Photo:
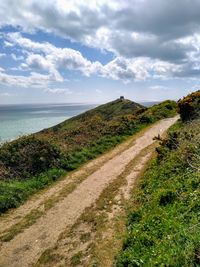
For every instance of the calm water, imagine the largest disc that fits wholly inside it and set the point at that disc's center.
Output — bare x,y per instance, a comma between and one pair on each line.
17,120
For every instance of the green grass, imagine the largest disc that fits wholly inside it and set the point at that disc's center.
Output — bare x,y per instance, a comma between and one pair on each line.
14,193
163,229
33,162
76,259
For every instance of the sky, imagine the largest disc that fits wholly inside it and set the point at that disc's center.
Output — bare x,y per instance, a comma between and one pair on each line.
89,51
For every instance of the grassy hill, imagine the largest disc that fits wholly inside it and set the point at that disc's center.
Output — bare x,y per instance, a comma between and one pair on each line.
164,223
89,126
112,109
32,162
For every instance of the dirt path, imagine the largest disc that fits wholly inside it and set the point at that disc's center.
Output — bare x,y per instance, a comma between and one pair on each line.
39,200
26,247
96,237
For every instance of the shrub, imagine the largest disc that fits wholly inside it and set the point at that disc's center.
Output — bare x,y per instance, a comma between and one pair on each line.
146,119
189,106
162,110
166,197
27,156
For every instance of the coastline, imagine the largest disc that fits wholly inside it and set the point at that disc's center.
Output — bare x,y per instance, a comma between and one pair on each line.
23,119
19,120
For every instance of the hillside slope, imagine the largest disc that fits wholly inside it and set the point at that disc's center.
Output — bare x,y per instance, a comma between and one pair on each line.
108,111
81,130
32,162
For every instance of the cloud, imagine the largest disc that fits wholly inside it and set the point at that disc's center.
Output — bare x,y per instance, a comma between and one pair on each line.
8,44
2,55
160,88
39,63
6,94
33,80
129,28
128,69
53,58
133,44
48,59
149,39
59,91
16,58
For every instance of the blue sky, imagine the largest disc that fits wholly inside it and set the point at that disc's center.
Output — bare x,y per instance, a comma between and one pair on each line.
94,51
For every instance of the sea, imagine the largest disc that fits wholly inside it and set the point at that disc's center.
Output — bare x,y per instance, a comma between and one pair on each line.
19,120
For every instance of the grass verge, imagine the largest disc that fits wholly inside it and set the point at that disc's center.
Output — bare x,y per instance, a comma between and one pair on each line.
163,226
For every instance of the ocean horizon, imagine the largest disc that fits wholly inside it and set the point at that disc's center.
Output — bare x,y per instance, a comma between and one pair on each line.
22,119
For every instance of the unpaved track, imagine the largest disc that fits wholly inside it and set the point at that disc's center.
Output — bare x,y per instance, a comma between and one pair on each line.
26,247
37,200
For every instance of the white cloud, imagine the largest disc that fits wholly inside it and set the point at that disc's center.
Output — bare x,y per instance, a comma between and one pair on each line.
16,58
160,88
34,80
48,59
53,58
130,28
6,94
143,68
45,57
8,44
40,63
59,91
147,40
2,55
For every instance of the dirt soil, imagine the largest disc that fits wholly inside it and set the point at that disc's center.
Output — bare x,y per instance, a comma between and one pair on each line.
26,247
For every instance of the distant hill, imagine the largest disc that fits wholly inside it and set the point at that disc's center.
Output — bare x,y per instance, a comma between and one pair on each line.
112,109
106,112
92,124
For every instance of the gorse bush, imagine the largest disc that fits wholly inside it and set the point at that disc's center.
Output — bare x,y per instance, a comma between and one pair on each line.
27,156
189,106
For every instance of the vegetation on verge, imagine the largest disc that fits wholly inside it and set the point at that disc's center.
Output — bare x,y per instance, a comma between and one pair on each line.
33,162
164,224
189,106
